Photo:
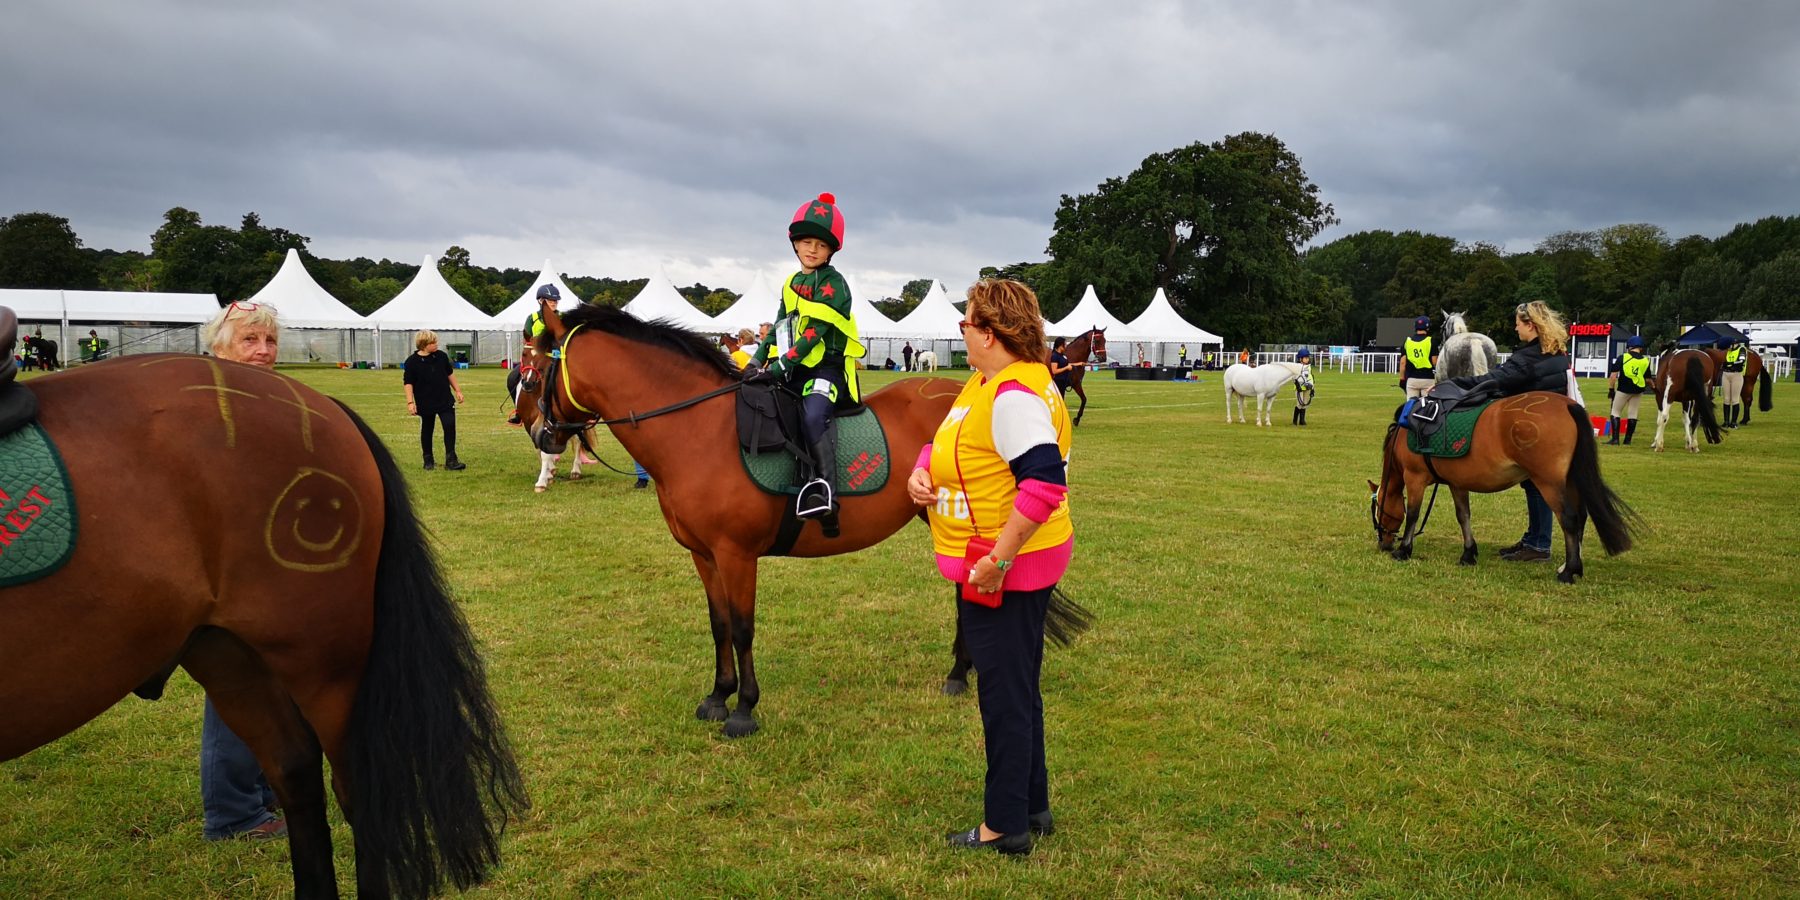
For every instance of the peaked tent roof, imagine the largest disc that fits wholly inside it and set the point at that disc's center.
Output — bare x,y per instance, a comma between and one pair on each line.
429,301
933,318
514,314
1161,323
300,301
109,306
755,307
870,322
660,300
1088,313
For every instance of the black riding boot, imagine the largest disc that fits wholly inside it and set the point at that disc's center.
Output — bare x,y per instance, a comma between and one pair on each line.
818,496
1303,417
1630,429
1614,422
1298,412
1730,417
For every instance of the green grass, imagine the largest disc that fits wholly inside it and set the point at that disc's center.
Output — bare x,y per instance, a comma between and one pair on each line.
1267,705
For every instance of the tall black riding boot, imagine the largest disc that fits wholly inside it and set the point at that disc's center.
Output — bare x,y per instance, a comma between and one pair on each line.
1630,429
1303,417
1730,417
818,496
1614,422
1298,412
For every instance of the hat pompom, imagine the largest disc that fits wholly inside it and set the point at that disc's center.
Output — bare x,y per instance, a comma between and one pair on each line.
828,198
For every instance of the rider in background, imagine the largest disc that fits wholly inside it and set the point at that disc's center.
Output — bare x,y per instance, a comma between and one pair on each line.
1419,372
1539,364
814,346
1731,380
1060,367
1625,386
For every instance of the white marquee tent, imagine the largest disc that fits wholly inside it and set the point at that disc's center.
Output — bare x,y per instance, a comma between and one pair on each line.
660,300
129,321
429,301
329,328
1088,313
510,322
756,306
932,325
1163,331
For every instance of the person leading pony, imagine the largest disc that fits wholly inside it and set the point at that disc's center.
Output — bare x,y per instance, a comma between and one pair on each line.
813,349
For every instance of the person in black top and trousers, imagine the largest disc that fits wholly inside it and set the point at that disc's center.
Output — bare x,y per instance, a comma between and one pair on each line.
430,381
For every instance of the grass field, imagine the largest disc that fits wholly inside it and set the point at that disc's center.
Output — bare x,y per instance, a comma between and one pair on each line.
1267,705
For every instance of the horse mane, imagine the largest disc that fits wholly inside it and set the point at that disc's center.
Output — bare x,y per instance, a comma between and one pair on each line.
656,332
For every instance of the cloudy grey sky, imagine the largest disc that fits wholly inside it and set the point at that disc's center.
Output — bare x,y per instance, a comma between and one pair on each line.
614,137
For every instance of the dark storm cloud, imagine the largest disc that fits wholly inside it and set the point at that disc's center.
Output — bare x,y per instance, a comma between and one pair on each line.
615,137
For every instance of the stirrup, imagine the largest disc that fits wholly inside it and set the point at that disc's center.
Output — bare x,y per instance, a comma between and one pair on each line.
805,510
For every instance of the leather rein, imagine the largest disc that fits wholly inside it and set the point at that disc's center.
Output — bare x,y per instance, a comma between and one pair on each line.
575,425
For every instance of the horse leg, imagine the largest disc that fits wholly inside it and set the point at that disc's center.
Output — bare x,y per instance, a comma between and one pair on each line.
1415,493
1573,518
712,707
1461,497
575,467
1076,387
546,471
1662,422
251,702
737,581
958,679
1687,426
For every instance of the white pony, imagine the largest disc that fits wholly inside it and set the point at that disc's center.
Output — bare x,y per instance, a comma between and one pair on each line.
1262,382
1465,352
926,360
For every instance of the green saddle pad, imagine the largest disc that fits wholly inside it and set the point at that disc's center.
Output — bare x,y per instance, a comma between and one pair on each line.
1452,440
862,459
37,509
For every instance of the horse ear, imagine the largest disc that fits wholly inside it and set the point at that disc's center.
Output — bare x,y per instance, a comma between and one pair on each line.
1374,488
553,324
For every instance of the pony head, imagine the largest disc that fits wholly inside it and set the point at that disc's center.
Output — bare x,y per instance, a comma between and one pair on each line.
1453,322
1099,345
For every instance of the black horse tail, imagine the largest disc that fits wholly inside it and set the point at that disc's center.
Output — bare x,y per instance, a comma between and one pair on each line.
1703,403
1587,496
432,777
1065,619
1765,401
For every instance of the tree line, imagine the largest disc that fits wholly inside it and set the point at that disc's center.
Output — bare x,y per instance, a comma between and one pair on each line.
1222,227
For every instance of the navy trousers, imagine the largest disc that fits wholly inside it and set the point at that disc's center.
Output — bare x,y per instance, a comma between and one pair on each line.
234,795
1006,644
1538,518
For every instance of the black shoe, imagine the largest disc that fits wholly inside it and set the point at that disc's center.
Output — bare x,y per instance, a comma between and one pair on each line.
1508,551
641,484
1041,823
1527,554
1009,844
429,465
455,465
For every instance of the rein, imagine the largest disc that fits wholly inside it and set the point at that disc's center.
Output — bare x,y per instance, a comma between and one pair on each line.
1375,498
570,426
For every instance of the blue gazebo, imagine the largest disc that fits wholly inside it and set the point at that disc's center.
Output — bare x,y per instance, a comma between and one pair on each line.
1710,334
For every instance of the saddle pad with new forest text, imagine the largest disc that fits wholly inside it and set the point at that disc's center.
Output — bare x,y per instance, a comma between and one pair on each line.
862,460
1455,437
37,508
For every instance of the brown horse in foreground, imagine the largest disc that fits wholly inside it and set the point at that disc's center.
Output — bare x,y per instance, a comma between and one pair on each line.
617,368
1686,377
242,526
1541,436
1089,344
1754,374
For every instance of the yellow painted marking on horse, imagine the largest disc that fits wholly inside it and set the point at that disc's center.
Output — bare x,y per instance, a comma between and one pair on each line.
306,411
315,500
1526,404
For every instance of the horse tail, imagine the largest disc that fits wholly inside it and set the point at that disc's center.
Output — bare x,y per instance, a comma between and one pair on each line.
432,777
1065,619
1703,402
1587,494
1765,401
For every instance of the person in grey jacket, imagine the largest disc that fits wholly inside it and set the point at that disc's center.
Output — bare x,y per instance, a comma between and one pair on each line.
1540,364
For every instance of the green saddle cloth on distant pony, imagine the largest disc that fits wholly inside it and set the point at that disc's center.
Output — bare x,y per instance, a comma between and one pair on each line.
37,508
862,460
1453,438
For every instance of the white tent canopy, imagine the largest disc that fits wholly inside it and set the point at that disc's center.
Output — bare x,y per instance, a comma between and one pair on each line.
1161,324
1088,313
756,306
512,318
660,300
870,322
933,318
430,302
300,301
109,306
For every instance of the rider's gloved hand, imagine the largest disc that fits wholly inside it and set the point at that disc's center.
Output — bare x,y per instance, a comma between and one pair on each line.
1610,392
754,373
778,368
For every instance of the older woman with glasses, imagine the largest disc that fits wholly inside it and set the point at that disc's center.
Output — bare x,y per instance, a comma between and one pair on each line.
994,480
1541,363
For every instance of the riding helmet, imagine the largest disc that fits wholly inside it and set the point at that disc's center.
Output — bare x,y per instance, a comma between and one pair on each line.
1636,340
1422,323
820,219
549,292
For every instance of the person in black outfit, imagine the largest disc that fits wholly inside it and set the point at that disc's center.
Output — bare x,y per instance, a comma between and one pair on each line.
430,380
1540,364
906,355
1059,365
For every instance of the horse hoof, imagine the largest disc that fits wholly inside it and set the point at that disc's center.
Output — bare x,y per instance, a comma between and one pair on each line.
740,725
711,710
1566,577
574,476
954,686
1402,555
1468,559
539,489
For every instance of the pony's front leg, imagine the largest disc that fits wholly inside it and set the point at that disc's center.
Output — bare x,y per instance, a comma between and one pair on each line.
1403,546
546,471
1228,406
1662,422
575,467
737,578
712,707
1461,497
958,680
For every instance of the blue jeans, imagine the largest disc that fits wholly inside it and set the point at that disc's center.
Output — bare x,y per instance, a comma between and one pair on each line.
1537,519
233,792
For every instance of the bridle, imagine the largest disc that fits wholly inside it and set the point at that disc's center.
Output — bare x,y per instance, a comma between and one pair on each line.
1375,498
550,401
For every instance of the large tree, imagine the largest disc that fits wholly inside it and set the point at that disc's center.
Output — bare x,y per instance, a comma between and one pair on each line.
39,250
1218,226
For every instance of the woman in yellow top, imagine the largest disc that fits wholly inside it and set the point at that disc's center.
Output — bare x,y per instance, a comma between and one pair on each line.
996,472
